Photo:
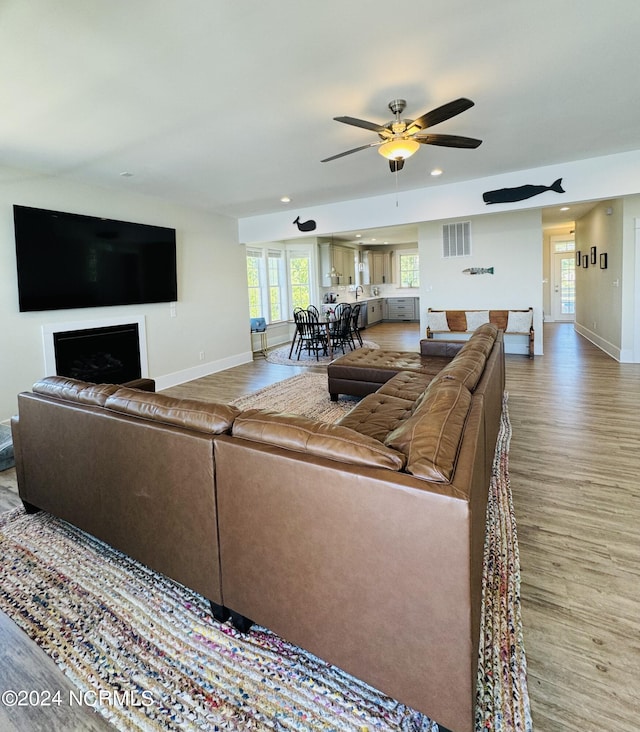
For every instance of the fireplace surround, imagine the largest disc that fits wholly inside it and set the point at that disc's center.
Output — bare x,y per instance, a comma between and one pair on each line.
102,351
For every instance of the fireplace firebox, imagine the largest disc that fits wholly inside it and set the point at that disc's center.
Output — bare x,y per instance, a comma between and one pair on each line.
106,355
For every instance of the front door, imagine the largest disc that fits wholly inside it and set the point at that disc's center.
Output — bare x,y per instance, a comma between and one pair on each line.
563,294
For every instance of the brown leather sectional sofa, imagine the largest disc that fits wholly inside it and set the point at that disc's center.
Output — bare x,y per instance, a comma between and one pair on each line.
360,541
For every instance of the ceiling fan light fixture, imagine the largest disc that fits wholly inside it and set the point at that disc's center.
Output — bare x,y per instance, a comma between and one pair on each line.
402,149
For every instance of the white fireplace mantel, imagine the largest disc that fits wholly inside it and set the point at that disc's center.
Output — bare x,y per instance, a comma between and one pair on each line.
49,329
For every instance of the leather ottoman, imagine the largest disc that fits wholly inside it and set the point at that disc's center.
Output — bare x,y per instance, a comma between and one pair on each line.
364,370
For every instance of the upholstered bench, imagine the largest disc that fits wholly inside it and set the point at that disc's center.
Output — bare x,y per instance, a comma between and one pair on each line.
452,323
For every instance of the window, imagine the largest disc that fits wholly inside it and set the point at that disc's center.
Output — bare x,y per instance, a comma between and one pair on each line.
300,279
563,245
409,266
279,280
277,286
255,280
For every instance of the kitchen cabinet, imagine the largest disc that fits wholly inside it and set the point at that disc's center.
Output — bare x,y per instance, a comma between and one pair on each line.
377,267
340,259
402,308
374,311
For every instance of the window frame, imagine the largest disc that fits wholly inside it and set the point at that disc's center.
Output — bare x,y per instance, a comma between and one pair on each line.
408,253
284,253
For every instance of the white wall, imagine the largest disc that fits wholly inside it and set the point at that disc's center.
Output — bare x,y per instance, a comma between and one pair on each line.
212,309
511,243
599,292
630,298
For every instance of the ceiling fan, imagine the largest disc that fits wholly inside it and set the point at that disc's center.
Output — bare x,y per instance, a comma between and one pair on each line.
401,138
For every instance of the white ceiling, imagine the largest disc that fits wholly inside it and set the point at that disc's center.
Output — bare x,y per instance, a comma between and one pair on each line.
228,104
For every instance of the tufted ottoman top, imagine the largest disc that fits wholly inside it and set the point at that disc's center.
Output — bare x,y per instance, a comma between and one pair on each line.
378,366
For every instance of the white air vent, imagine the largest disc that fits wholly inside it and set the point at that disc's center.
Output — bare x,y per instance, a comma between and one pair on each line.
456,240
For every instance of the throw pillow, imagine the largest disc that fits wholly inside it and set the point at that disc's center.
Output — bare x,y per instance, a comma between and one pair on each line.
476,318
519,322
437,320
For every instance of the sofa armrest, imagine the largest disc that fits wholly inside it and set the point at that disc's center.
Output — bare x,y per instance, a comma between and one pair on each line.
440,347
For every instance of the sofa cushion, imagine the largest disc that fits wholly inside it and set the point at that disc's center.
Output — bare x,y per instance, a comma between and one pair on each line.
482,340
377,414
209,417
73,390
489,329
301,434
466,368
407,385
431,437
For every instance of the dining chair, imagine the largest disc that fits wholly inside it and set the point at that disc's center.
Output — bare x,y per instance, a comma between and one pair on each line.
311,335
355,325
341,333
295,332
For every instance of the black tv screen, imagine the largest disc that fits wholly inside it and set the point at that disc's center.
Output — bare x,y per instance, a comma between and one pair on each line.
68,260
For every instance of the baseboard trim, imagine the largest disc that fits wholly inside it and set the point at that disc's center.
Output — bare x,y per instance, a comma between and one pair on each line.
598,341
197,372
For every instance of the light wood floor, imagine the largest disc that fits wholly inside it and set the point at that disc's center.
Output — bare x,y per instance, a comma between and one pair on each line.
574,465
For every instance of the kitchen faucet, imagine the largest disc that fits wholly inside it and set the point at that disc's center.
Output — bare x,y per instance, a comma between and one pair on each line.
359,287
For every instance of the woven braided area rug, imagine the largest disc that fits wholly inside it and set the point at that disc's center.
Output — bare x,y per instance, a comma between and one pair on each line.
302,394
151,650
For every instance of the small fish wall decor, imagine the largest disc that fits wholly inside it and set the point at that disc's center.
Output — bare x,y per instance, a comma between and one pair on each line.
309,225
477,270
509,195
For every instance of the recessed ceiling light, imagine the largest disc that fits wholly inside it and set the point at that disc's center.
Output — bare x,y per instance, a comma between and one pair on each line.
126,174
565,208
358,236
285,199
436,171
374,240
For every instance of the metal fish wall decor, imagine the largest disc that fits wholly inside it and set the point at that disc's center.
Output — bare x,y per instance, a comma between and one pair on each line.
509,195
309,225
478,270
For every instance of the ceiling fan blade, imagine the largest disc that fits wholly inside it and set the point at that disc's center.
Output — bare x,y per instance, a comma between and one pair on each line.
373,126
448,140
440,114
355,149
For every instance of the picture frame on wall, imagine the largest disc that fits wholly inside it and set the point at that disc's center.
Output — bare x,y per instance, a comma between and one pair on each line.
578,258
603,260
593,255
585,261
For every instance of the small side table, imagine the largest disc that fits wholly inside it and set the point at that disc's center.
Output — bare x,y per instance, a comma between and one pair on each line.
259,325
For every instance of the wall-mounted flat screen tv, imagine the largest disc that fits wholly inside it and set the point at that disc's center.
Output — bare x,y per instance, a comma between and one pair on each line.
68,260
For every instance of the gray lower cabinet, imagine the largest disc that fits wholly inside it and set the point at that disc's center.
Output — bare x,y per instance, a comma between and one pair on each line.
374,311
402,308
